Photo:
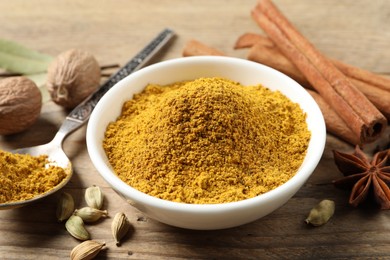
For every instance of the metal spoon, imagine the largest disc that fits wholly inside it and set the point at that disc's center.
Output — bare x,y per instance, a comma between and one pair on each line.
80,115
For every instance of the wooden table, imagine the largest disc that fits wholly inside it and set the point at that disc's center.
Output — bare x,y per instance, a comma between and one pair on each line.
354,31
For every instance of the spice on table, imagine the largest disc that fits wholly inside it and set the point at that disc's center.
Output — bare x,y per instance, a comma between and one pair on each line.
94,197
248,40
334,123
89,215
119,227
364,176
72,76
210,140
23,176
194,47
20,104
363,118
374,86
75,226
65,206
86,250
321,213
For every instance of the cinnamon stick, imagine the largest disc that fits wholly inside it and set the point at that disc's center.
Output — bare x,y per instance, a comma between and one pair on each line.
334,124
354,108
272,57
363,75
196,48
247,40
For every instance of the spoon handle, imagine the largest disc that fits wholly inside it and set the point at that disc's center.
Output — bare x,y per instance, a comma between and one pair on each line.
79,115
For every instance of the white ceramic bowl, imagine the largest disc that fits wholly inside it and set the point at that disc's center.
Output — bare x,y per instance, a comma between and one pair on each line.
208,216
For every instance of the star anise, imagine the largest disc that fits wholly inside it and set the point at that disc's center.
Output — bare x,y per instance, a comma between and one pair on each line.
365,176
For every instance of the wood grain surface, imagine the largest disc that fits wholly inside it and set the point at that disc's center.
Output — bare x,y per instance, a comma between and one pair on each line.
354,31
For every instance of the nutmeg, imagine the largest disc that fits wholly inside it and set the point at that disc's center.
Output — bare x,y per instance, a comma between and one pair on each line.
72,76
20,104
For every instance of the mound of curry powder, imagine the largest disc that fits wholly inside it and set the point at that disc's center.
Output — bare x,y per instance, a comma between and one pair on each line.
24,177
207,141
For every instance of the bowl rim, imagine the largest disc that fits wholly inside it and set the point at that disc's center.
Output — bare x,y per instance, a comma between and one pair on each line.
117,184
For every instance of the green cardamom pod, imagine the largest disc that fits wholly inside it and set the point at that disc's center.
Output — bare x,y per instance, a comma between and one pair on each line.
75,226
86,250
94,197
119,227
89,214
321,213
65,206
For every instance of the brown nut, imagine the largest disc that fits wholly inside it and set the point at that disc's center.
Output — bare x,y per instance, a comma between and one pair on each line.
20,104
72,76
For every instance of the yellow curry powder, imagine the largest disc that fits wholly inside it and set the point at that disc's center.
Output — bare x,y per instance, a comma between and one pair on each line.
210,140
23,176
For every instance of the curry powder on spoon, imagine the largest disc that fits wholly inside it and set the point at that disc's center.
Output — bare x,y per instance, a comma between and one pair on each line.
207,141
23,176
